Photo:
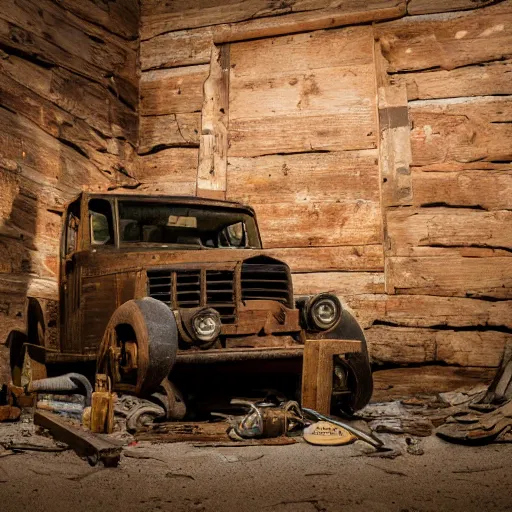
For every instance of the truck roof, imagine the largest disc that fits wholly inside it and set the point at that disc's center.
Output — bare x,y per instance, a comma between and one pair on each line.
219,203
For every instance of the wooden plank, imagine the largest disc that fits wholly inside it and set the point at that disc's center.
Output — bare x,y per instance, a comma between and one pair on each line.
318,366
181,48
490,190
340,176
430,311
320,105
448,42
274,20
120,17
344,284
450,276
321,259
484,79
84,442
319,223
461,130
172,91
396,383
212,167
409,345
171,171
413,227
433,6
169,130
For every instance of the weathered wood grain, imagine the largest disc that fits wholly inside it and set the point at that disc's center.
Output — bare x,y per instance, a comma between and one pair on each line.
120,17
482,80
170,171
212,167
344,284
410,345
86,100
447,227
430,311
172,91
337,176
266,18
461,130
434,6
169,130
296,94
361,258
66,39
181,48
395,383
448,42
450,276
319,223
490,190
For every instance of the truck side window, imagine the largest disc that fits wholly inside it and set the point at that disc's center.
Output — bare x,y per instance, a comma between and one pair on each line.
72,223
101,222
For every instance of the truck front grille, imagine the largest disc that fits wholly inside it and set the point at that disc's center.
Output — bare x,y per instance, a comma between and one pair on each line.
264,281
218,290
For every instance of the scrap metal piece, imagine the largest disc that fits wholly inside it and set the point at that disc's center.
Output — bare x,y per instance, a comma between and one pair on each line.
68,382
83,442
369,438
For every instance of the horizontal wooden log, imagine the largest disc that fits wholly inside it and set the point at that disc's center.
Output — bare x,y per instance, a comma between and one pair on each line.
430,311
362,258
172,91
490,190
409,228
409,345
181,48
448,42
295,134
169,130
461,130
319,224
450,276
170,171
435,6
344,284
265,19
120,17
488,79
67,40
396,383
84,99
340,176
24,285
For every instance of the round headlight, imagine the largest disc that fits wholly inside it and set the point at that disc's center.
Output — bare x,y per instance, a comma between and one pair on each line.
325,312
206,325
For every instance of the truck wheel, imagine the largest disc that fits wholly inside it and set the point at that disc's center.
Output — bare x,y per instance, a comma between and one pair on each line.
357,367
139,346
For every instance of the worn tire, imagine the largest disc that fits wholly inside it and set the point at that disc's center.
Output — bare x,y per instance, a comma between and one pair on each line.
156,335
360,380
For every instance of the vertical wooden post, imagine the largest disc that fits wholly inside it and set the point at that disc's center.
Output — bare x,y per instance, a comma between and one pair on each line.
213,149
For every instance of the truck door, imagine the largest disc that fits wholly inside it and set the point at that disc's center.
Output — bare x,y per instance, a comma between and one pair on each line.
70,282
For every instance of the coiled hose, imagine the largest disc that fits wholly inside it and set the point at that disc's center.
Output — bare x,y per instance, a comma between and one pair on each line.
67,382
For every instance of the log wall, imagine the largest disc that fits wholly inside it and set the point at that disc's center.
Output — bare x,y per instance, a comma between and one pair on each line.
377,156
373,139
68,122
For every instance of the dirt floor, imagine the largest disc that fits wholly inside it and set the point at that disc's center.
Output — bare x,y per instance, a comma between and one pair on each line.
299,477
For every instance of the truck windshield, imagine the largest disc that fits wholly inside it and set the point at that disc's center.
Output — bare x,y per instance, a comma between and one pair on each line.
191,226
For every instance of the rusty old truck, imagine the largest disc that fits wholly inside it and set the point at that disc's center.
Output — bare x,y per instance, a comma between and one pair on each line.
148,283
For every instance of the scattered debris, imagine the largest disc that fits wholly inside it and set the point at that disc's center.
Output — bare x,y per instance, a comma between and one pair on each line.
388,471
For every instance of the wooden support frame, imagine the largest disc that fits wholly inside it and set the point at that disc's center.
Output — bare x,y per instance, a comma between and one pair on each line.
318,370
